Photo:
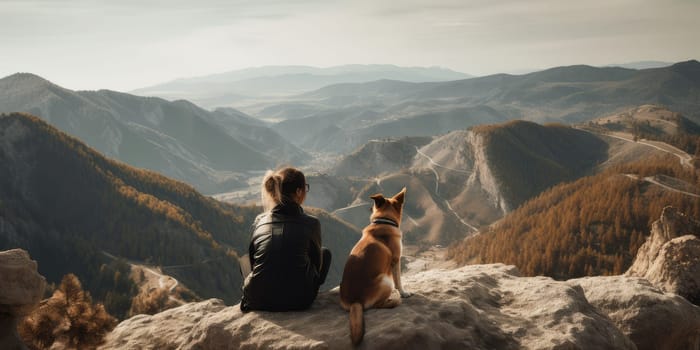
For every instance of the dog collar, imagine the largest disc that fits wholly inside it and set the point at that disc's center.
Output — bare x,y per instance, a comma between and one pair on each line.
385,221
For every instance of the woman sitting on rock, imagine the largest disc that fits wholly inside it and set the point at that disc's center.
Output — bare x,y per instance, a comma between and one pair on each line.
285,253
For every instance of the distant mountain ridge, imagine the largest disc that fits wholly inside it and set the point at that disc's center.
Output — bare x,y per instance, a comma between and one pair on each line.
341,130
178,139
224,88
561,94
641,64
498,85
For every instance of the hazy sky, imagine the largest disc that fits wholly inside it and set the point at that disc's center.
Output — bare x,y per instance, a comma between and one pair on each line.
126,44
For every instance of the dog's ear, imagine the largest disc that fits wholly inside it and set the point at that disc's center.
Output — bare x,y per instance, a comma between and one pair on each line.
378,200
399,197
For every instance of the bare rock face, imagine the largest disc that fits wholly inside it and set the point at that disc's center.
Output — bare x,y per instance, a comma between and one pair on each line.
21,289
670,258
473,307
677,268
651,318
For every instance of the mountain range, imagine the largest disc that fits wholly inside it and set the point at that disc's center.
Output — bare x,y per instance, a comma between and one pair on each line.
72,208
462,178
354,113
235,87
209,150
216,150
641,64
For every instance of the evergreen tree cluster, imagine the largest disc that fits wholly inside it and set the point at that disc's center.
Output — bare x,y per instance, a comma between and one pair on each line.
592,226
68,318
72,209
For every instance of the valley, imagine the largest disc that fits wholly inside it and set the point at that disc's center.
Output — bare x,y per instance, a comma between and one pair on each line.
420,259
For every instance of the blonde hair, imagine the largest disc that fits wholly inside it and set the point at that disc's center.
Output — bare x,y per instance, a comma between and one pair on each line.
280,186
271,191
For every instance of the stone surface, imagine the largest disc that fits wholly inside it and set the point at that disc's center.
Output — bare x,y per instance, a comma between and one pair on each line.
21,289
473,307
677,268
670,258
651,318
22,286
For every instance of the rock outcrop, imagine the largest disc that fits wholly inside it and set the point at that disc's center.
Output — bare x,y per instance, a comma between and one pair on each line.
670,258
478,307
21,289
652,319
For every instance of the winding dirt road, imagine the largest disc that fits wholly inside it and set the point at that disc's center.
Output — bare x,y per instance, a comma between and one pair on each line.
684,158
651,180
437,186
162,279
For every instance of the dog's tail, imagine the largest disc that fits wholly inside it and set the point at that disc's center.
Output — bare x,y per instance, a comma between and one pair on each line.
357,323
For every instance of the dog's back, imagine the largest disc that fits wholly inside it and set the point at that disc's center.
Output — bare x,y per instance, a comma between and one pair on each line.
369,262
368,279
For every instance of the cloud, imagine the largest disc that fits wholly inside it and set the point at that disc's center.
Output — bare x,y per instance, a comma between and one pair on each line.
174,38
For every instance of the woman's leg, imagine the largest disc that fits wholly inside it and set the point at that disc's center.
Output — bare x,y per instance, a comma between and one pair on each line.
325,265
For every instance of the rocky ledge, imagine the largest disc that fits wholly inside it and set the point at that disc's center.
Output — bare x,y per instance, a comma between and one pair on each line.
21,289
477,307
670,257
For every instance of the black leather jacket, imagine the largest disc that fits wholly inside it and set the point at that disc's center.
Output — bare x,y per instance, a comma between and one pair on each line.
285,256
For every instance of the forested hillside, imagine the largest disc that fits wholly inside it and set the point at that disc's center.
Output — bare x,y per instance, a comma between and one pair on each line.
527,158
67,205
70,208
591,226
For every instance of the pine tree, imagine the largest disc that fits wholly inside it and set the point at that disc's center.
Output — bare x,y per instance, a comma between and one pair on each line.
68,317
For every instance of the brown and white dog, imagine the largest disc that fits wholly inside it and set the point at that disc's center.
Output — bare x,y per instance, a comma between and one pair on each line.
372,275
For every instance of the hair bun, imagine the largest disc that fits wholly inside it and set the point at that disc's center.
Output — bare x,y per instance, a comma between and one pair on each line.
271,181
